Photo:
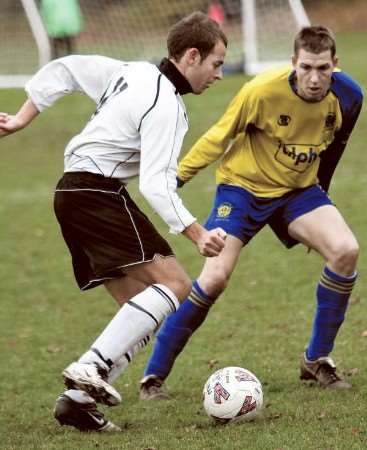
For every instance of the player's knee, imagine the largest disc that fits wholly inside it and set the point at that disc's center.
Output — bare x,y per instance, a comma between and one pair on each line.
346,256
215,283
349,255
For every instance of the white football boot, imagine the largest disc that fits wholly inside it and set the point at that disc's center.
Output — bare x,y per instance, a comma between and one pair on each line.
91,379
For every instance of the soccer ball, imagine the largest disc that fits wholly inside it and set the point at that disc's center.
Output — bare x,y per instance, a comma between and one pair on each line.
232,394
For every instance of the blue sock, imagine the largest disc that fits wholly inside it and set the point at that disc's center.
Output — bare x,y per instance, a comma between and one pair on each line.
176,331
333,292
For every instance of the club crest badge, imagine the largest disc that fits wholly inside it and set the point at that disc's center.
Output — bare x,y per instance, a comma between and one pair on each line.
330,120
224,210
283,120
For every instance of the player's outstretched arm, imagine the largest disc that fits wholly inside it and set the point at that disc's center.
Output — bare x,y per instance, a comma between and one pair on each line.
11,123
209,243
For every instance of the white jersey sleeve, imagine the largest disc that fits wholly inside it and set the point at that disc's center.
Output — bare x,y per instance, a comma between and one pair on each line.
137,129
162,131
86,74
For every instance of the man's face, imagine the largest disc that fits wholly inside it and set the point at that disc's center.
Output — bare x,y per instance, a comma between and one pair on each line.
201,73
313,74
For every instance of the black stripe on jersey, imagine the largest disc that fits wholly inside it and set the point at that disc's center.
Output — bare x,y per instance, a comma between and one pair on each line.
165,296
139,308
117,85
172,149
116,90
120,163
155,100
87,157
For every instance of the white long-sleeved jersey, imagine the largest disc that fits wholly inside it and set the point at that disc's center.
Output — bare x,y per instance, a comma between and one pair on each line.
137,128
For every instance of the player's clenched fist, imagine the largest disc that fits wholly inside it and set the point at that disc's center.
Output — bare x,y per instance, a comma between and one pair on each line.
212,242
209,243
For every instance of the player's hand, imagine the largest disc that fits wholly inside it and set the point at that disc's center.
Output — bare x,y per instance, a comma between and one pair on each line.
9,124
212,242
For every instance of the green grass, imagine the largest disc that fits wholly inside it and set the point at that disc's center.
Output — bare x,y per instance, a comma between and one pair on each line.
262,321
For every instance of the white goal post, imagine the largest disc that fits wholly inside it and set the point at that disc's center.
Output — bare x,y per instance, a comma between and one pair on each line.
269,27
37,33
260,32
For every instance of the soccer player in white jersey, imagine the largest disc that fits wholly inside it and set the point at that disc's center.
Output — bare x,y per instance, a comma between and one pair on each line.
279,143
137,130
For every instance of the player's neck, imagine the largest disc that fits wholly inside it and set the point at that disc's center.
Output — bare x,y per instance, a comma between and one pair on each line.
172,72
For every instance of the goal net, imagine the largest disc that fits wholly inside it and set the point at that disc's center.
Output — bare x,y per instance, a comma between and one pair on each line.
24,42
260,32
269,28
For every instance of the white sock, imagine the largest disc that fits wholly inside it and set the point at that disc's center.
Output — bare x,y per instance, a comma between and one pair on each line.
119,366
135,320
124,362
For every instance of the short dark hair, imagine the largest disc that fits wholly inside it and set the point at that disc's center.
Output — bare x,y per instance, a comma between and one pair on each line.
315,39
194,31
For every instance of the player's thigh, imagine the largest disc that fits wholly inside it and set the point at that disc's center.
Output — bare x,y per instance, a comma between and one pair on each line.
124,288
218,270
325,230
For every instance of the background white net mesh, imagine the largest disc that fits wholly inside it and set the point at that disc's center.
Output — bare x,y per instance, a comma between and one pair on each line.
18,49
137,30
276,28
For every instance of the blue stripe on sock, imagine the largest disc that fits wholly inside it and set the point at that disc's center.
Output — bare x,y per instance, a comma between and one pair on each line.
200,292
339,278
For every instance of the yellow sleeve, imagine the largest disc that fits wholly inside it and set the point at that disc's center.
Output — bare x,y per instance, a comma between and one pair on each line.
215,141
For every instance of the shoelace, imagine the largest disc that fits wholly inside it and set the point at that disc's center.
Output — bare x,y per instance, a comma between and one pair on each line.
154,382
102,372
329,371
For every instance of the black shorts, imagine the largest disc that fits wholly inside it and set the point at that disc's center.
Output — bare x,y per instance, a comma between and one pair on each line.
103,228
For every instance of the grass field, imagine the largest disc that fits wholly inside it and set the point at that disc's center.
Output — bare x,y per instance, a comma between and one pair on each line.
262,322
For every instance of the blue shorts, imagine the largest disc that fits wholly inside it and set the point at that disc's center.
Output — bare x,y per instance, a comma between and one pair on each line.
242,214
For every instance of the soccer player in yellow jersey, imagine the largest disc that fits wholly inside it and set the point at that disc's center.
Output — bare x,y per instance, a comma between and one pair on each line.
279,142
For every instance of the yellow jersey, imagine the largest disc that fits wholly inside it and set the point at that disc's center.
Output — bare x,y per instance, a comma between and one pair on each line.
271,141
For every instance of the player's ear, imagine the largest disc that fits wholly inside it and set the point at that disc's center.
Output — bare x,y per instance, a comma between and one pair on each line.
294,60
335,60
192,56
